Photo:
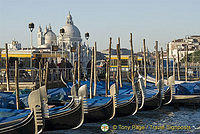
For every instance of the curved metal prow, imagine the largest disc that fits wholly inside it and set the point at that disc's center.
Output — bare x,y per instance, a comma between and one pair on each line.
113,94
82,119
171,83
136,99
141,88
35,104
159,87
83,92
74,90
61,77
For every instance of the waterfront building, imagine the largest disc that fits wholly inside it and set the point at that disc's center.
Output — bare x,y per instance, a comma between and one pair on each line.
180,45
67,43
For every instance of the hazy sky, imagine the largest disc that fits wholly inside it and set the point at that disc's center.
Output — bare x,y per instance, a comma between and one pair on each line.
162,20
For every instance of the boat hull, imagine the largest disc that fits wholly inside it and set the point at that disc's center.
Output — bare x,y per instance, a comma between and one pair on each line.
152,103
65,120
20,126
167,97
99,114
126,109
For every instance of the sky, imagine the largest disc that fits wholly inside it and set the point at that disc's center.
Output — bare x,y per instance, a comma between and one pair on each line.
161,20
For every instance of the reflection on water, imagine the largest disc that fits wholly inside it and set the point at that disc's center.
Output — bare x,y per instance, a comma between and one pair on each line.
165,120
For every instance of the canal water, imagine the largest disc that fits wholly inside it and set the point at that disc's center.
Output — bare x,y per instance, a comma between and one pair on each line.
166,120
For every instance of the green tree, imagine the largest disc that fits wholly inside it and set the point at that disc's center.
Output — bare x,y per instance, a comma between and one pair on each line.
195,57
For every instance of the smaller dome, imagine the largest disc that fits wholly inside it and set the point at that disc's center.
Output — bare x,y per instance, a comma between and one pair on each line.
50,37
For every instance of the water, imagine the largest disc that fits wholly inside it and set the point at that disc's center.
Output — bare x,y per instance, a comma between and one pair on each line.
166,120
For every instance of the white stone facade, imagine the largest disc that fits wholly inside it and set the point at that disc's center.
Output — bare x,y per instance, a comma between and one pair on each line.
180,44
70,40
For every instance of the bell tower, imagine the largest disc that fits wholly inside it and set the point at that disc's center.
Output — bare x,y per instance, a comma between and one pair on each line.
40,36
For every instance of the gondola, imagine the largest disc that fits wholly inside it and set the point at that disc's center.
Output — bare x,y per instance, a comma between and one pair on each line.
153,96
13,121
69,116
125,100
149,98
126,105
168,91
17,124
96,109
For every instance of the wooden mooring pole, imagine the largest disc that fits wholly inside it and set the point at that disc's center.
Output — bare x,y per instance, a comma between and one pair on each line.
167,62
158,66
156,60
46,74
174,69
74,77
91,72
162,69
40,74
119,63
145,64
106,79
17,84
95,68
132,60
178,65
186,64
79,65
109,62
7,68
117,75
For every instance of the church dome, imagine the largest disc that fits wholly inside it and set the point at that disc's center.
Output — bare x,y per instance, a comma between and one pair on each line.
70,29
50,37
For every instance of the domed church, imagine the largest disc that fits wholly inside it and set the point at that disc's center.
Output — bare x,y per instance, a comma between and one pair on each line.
72,35
68,42
47,39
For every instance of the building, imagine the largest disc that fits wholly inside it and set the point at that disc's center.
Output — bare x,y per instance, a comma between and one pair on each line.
14,45
66,43
72,35
179,45
46,39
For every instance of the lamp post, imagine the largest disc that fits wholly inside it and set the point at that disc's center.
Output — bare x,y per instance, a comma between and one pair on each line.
31,27
87,35
62,31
